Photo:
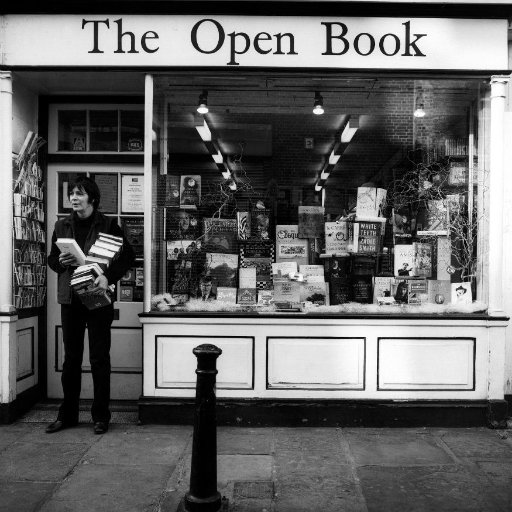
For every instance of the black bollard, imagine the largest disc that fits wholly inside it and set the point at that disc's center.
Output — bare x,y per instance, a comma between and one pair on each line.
203,495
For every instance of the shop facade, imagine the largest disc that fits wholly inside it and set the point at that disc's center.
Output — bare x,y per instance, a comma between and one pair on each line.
351,263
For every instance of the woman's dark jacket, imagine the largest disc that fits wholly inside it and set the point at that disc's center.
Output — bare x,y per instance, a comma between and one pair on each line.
65,228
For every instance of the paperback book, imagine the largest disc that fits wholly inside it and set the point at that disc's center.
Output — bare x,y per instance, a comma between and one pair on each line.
418,291
312,272
404,260
311,221
190,191
247,296
172,190
336,238
289,246
181,224
226,294
382,289
367,237
70,245
314,292
223,268
461,293
439,291
339,290
220,235
370,202
422,265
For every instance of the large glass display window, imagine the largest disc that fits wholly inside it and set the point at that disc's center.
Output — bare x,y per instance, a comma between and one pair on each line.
318,194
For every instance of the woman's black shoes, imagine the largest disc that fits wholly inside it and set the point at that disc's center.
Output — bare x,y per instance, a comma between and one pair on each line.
58,425
100,427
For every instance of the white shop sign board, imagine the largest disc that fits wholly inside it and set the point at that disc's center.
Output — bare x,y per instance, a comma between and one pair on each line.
253,41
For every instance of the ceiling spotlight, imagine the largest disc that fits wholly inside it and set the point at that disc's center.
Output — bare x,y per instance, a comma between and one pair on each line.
420,111
202,106
318,108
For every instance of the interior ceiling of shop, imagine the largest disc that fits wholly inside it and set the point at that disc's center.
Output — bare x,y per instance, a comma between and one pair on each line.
266,116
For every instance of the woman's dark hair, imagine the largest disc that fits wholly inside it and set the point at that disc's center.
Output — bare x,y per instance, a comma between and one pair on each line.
88,186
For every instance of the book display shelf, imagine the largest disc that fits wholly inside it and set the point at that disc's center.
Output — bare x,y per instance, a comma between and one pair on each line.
29,255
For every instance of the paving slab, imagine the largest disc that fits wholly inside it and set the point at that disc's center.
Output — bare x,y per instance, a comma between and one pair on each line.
305,463
111,488
141,448
231,468
23,496
500,479
82,434
479,443
249,443
425,489
40,461
308,439
396,448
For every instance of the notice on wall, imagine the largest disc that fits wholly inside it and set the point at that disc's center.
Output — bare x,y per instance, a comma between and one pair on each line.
107,183
132,193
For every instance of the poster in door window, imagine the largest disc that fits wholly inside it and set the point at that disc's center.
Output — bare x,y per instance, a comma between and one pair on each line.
132,193
107,183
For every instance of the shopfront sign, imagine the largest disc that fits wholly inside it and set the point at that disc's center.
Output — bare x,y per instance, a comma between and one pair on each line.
253,41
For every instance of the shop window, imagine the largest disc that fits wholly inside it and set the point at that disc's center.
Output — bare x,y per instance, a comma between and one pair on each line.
375,205
96,128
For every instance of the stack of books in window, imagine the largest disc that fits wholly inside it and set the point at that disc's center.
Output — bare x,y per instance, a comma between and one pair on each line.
82,282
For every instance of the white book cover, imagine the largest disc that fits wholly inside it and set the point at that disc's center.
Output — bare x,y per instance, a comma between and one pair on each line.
314,292
247,277
336,237
283,269
370,202
312,271
444,258
70,245
461,293
382,288
226,294
404,260
289,246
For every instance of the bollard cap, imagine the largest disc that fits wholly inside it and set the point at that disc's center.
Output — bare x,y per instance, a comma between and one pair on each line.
207,350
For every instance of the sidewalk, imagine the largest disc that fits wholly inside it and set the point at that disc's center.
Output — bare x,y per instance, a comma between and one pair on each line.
146,468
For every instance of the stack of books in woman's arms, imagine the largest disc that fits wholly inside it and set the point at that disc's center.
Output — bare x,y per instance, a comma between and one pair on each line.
82,282
104,250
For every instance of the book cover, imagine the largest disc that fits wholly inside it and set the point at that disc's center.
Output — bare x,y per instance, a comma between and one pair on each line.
223,268
337,266
361,289
444,258
314,292
190,191
311,221
418,291
260,223
433,218
370,202
422,266
461,293
181,224
283,269
247,296
367,237
336,237
247,277
404,260
381,288
126,293
243,225
226,294
139,277
220,235
134,233
70,245
263,267
256,249
289,246
339,290
265,297
129,277
439,291
286,293
178,249
400,290
172,190
312,272
402,224
457,174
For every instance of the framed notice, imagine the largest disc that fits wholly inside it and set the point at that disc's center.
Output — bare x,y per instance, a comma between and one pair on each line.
107,183
132,193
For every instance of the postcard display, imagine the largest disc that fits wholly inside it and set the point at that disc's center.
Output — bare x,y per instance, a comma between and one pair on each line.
29,254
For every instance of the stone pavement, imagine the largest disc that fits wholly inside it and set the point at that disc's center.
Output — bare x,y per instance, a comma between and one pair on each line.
146,468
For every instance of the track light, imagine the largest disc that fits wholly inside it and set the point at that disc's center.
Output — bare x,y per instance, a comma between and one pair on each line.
202,105
318,108
420,111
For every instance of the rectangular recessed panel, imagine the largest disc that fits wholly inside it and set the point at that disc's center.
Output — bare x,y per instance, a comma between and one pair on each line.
125,350
316,363
25,353
426,363
176,364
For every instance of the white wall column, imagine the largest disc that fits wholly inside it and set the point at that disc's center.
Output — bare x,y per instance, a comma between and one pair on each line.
496,196
6,195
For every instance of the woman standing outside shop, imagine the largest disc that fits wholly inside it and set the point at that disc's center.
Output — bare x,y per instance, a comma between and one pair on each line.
83,225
